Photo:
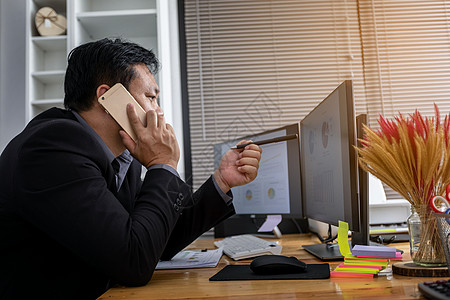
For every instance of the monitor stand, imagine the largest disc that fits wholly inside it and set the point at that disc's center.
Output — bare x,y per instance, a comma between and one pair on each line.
276,233
325,252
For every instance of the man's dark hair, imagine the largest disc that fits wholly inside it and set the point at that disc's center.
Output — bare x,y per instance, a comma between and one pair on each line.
106,61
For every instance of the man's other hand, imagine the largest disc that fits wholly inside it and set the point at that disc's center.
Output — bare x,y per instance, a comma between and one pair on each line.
238,167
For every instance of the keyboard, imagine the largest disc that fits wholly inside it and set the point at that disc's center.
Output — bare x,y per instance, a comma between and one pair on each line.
246,246
439,289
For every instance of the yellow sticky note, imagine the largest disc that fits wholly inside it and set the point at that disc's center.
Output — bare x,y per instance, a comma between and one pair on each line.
357,270
344,248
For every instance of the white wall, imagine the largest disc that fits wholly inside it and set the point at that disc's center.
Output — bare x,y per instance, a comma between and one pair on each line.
170,79
12,69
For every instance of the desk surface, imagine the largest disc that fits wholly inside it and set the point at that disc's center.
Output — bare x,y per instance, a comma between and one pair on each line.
195,284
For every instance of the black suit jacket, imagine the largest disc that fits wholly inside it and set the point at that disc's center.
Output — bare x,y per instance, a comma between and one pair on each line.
65,232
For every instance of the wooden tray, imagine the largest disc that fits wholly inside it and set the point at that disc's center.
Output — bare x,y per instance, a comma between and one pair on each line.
409,268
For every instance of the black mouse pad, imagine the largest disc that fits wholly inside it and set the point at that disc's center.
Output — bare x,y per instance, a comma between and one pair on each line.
243,272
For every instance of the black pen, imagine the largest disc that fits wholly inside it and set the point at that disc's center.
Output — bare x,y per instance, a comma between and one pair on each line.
263,142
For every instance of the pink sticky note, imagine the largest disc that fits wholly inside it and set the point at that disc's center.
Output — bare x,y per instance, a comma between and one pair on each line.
398,255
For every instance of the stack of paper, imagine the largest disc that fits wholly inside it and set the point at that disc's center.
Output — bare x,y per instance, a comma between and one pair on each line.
354,266
192,259
362,261
374,251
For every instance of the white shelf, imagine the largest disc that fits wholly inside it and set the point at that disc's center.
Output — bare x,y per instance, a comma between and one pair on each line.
58,5
115,13
47,102
51,43
127,23
87,20
47,77
101,5
39,106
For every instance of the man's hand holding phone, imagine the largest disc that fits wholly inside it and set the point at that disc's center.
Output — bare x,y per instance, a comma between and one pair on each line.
156,142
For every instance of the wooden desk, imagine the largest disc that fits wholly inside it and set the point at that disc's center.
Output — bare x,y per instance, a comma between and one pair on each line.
195,284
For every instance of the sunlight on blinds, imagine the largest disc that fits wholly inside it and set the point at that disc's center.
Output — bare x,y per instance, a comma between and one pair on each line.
258,65
406,56
406,48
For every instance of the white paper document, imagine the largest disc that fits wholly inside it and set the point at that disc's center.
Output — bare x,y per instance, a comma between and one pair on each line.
192,259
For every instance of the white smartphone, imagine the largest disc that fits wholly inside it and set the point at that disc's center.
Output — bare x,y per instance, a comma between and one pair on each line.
115,101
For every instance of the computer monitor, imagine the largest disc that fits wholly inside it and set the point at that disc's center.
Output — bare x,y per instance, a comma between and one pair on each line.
329,166
277,188
362,237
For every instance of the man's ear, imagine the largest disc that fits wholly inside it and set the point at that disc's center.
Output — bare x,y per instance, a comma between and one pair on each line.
101,89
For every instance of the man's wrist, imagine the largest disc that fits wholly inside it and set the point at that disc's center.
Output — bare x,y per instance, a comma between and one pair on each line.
227,197
220,182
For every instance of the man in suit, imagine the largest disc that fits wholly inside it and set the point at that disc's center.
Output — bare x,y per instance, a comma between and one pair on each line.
75,216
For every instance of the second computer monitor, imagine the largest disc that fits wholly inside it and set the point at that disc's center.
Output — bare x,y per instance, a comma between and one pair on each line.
277,188
329,163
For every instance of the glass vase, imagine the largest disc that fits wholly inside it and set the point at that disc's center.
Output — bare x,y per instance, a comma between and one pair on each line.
414,231
425,244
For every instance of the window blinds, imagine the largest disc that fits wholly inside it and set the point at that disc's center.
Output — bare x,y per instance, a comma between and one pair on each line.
259,65
406,46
